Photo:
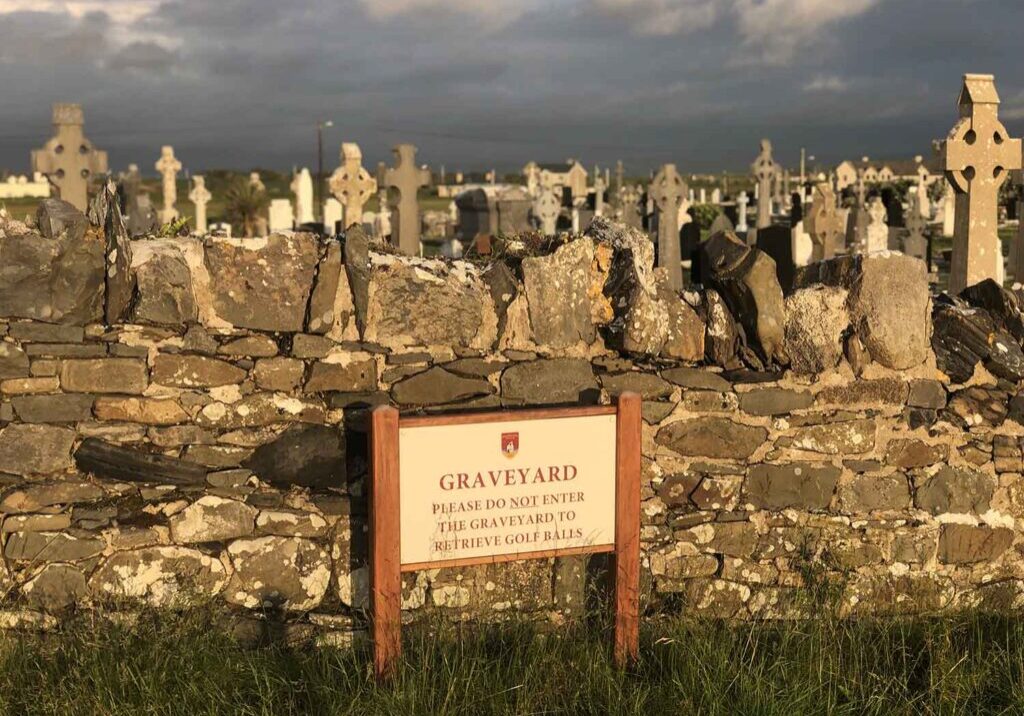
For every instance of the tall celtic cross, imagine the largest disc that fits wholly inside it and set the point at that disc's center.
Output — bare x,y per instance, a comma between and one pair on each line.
667,190
68,159
977,156
351,184
823,223
765,170
168,166
405,179
546,209
200,197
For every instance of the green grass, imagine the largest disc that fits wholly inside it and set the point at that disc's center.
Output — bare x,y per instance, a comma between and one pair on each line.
170,663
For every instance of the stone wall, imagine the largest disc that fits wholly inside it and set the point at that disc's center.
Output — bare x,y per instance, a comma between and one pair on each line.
184,415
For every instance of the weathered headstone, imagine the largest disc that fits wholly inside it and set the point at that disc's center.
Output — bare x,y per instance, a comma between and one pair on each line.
200,196
332,214
140,216
823,223
351,184
629,207
777,242
765,171
404,180
281,217
168,166
977,156
877,234
68,159
721,223
546,208
667,190
741,203
915,243
302,190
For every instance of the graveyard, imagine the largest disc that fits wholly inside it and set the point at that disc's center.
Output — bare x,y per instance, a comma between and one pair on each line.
442,420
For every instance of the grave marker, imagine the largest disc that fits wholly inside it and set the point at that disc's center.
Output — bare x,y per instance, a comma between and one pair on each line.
168,166
667,190
351,184
68,159
546,209
823,223
200,196
977,156
765,171
302,190
405,179
915,243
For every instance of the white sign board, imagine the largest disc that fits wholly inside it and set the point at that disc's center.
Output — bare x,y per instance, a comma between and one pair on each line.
478,490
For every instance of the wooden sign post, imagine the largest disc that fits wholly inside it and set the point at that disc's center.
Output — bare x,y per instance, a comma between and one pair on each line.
483,488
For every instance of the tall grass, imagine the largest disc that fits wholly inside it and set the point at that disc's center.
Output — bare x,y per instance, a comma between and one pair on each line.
187,663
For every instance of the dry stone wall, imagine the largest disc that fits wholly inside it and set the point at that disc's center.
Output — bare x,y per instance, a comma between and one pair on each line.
210,440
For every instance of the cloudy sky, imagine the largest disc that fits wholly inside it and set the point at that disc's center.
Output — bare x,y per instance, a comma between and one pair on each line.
482,83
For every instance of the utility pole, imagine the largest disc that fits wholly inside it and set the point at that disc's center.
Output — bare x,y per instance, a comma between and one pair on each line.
318,189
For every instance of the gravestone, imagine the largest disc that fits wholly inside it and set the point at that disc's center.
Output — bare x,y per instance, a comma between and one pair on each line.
200,196
382,224
254,180
765,171
796,209
302,190
716,196
777,242
877,232
689,247
741,204
977,156
168,166
281,217
629,207
546,209
68,159
620,175
948,209
140,218
404,180
803,246
721,223
332,215
667,190
351,184
915,243
599,189
823,223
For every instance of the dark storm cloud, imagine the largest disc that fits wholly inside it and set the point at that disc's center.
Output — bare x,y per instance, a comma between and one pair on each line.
475,84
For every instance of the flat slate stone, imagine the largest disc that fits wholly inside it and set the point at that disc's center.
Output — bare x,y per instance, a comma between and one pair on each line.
967,544
35,449
774,401
712,437
546,382
188,371
436,386
37,332
13,361
696,378
61,408
353,376
795,485
955,490
886,391
303,455
654,412
648,386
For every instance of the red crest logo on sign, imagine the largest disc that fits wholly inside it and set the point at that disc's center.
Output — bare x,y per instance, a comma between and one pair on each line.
509,444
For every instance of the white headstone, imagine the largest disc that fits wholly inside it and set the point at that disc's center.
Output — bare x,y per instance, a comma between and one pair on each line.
741,209
302,190
168,167
281,216
200,197
332,214
878,230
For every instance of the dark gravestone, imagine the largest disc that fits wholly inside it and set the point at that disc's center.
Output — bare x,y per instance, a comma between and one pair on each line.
689,240
721,223
777,242
893,208
796,209
731,212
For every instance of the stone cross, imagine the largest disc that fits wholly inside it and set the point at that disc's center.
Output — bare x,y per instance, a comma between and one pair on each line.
302,189
915,243
168,166
977,156
351,184
405,179
765,171
254,180
823,223
877,230
629,208
200,197
668,189
599,187
741,208
546,208
68,159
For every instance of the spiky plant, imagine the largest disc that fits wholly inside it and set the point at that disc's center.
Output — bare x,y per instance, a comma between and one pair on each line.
244,203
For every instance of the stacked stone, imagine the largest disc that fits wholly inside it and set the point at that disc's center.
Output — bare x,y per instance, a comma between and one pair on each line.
211,439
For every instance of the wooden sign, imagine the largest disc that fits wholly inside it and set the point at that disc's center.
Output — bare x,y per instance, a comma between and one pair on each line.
459,490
